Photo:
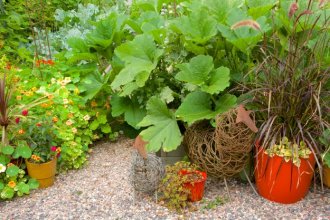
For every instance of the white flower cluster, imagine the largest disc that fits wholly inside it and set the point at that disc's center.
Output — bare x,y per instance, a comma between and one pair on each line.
2,168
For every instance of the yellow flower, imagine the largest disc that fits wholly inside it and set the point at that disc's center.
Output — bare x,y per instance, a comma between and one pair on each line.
11,184
29,93
18,97
76,91
34,89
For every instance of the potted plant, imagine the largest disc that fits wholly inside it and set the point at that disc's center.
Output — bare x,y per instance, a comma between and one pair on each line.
288,89
13,178
183,183
325,140
42,163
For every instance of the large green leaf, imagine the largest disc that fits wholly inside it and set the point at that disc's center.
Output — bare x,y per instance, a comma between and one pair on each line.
12,170
22,151
198,26
196,71
92,84
104,32
7,193
33,183
200,71
219,80
198,105
23,188
132,111
141,57
221,9
163,131
8,150
225,103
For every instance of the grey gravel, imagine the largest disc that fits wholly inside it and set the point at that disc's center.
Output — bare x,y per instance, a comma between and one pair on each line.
101,190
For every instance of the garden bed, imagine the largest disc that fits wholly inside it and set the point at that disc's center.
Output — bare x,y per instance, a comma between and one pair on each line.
102,190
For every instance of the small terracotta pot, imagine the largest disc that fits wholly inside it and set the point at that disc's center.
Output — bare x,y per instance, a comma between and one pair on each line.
196,188
43,172
326,175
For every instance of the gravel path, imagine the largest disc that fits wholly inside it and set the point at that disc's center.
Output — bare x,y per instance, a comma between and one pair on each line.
101,190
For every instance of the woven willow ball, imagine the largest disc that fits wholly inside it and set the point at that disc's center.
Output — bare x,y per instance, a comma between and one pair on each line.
222,151
146,173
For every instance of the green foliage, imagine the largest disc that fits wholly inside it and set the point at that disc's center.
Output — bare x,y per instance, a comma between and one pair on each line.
164,131
212,204
13,179
141,57
325,141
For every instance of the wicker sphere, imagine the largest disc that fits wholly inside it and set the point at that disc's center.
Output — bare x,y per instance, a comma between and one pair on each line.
222,151
146,173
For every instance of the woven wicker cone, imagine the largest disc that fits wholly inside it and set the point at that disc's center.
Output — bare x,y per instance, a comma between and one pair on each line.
221,151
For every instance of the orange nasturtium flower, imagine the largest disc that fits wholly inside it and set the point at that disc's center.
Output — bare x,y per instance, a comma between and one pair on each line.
55,119
21,131
35,157
11,184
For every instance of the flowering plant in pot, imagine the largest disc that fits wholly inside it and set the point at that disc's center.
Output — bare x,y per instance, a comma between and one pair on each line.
288,89
40,133
182,184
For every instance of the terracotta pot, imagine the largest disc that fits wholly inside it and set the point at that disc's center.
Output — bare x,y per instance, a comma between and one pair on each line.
326,175
281,181
196,188
43,172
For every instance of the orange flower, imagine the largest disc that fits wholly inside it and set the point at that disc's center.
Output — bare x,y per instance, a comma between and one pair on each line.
11,184
55,119
70,115
58,150
35,157
21,131
50,96
44,105
18,97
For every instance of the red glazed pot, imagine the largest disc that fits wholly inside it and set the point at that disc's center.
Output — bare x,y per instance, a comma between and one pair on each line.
196,188
281,181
